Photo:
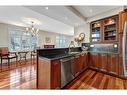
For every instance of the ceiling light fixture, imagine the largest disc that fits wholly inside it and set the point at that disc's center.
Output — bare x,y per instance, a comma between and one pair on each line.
46,8
32,30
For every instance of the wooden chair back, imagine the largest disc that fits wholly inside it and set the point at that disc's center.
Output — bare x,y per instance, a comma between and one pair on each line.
4,51
49,46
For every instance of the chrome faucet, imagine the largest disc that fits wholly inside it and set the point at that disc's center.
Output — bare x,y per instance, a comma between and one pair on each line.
71,45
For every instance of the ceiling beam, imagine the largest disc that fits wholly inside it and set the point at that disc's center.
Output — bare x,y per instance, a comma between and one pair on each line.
76,12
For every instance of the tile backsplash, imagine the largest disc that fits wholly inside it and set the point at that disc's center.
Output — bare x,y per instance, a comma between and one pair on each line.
103,47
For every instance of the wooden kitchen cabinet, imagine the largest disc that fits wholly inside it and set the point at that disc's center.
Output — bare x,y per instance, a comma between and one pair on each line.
77,65
113,64
122,19
120,43
55,74
95,32
110,29
84,61
81,61
103,62
48,74
108,63
121,70
104,30
94,60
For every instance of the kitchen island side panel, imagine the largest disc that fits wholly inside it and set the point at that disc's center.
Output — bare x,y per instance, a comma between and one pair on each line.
43,74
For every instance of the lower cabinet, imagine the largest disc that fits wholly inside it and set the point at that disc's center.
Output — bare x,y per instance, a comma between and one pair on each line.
103,62
77,65
93,60
84,61
81,63
113,64
55,74
121,69
48,74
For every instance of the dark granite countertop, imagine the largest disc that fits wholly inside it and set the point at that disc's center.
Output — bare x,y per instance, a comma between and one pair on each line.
60,56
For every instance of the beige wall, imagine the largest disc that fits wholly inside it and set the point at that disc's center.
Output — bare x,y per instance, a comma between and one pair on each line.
4,35
83,29
43,34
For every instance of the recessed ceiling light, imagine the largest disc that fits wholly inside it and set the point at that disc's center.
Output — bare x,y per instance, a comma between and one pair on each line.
91,10
46,8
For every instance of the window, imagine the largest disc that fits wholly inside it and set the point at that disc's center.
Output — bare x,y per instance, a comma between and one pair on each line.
22,41
61,41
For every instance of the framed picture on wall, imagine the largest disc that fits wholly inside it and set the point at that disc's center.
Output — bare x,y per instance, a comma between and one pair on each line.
47,39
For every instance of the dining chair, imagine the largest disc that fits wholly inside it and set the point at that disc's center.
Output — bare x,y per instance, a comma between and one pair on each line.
6,55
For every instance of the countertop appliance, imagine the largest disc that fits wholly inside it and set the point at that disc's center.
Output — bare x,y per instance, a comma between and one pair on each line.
67,69
124,49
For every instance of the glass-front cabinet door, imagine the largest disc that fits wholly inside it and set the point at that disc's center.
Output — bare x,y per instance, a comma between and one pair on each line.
110,29
96,31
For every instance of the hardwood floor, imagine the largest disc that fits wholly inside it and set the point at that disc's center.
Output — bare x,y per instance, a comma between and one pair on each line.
95,80
24,77
21,77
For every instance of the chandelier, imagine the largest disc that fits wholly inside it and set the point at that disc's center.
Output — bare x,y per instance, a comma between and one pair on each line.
32,30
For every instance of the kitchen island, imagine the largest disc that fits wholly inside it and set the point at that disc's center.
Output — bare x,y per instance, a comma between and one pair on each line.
50,71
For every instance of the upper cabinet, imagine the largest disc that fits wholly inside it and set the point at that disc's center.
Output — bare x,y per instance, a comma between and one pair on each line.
96,31
122,19
110,29
104,30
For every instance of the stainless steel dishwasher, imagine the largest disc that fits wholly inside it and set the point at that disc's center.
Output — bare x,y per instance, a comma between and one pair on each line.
67,69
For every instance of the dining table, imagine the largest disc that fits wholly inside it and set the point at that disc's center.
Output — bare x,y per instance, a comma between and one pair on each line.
22,55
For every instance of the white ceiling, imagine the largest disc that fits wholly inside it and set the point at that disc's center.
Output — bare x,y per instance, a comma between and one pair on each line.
90,11
60,13
16,14
57,19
